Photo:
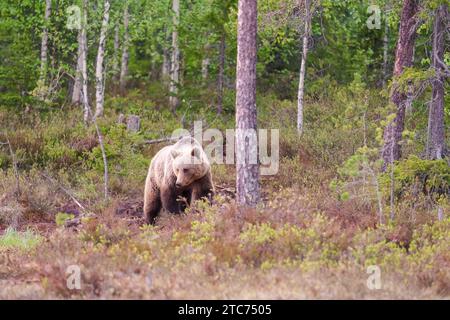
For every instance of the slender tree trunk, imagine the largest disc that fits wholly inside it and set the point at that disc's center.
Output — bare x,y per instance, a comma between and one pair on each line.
78,82
175,67
436,126
44,43
247,169
410,92
124,63
301,83
115,60
99,78
165,72
205,63
205,68
165,68
385,49
403,58
221,73
84,71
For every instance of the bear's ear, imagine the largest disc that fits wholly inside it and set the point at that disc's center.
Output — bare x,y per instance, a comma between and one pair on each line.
195,152
174,153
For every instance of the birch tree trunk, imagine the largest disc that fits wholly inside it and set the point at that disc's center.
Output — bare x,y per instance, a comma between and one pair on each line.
205,68
221,74
247,166
403,58
385,50
165,68
206,62
84,72
175,65
125,44
99,78
436,125
44,43
115,60
410,92
78,83
301,83
165,72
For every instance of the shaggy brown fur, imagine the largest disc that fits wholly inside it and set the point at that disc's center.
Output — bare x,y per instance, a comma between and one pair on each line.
178,175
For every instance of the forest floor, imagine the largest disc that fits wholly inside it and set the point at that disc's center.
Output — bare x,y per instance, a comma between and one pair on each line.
302,242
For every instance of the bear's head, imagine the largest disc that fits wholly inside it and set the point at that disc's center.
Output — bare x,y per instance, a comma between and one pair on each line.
188,166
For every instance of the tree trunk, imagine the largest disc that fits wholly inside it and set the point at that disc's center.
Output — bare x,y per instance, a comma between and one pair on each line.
247,171
436,126
44,43
205,68
84,72
165,68
124,63
385,50
221,74
410,92
78,82
165,72
175,67
301,83
403,58
99,78
205,63
115,60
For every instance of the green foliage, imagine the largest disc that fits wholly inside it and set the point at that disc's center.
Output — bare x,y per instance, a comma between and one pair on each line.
24,241
428,176
61,218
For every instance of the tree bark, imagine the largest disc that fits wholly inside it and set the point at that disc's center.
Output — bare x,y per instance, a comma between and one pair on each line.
165,72
206,61
84,72
385,49
403,58
78,82
301,83
436,126
125,44
115,60
247,172
165,68
175,65
221,73
99,78
205,68
44,43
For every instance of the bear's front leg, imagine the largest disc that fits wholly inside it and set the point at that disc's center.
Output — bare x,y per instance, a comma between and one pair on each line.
169,200
202,189
152,202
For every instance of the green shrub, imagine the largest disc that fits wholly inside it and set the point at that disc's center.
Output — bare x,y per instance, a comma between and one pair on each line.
25,241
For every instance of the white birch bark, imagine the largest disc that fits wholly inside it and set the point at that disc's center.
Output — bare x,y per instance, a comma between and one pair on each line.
99,79
77,86
124,62
385,52
115,60
44,43
301,83
205,68
84,73
175,67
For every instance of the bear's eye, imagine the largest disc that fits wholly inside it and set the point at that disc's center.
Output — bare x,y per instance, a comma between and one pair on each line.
185,170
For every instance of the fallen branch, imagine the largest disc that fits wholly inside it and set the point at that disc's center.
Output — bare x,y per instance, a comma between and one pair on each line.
166,139
67,192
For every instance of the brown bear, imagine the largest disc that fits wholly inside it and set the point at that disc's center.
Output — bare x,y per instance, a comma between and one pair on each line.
178,171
